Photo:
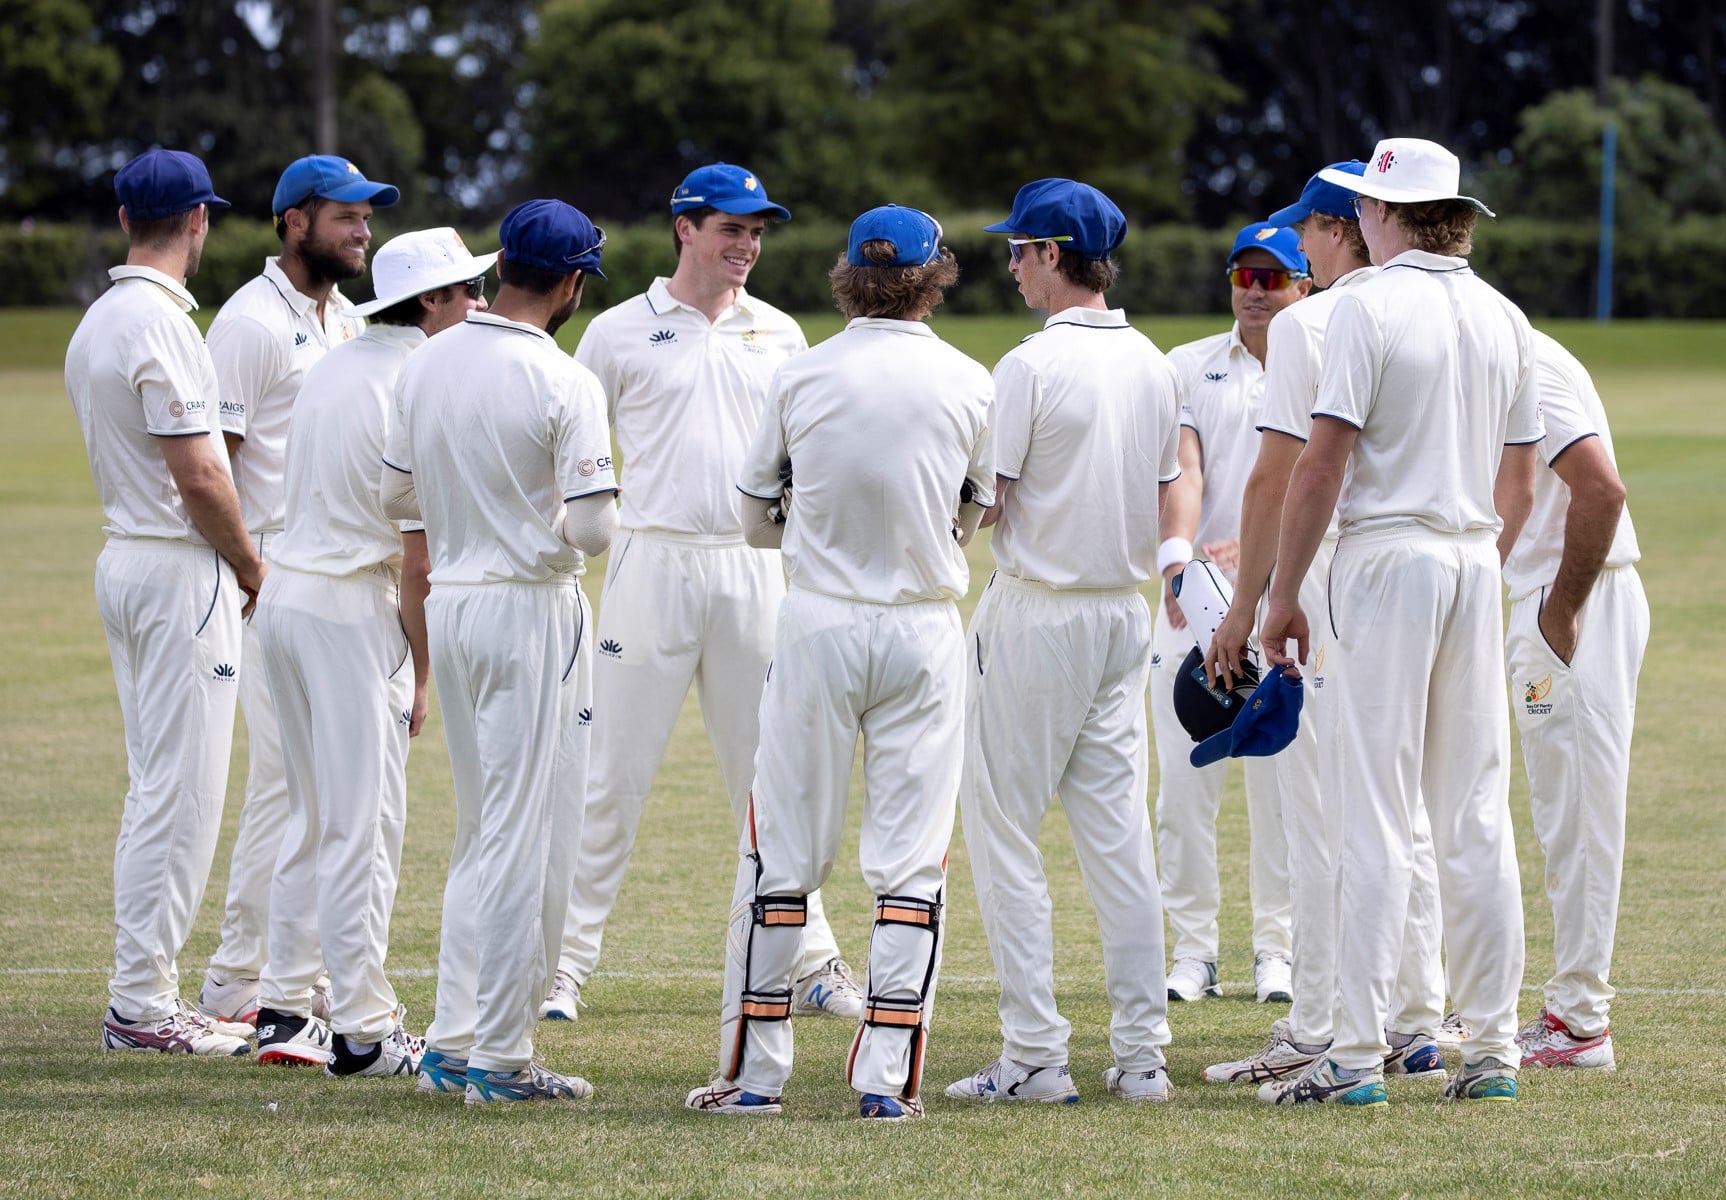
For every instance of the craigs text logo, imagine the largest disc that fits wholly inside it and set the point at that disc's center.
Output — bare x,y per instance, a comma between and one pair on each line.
1534,697
1385,162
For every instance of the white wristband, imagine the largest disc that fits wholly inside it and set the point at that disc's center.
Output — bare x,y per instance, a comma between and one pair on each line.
1174,552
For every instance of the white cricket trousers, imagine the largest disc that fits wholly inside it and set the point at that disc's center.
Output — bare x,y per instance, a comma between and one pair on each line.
1416,714
1575,723
1056,704
171,613
245,932
895,674
342,680
514,670
1188,800
675,610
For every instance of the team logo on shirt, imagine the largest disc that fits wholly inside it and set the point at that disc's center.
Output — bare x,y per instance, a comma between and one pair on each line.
611,648
1534,697
405,717
585,717
1216,376
224,672
176,409
1318,669
663,338
300,339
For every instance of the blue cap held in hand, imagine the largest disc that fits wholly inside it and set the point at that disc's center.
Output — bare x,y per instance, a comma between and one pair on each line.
552,236
915,235
328,177
1282,243
1265,725
1074,214
725,187
164,183
1320,195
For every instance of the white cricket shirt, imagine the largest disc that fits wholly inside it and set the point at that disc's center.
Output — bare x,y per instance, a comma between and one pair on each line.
335,518
1087,423
882,424
137,370
684,396
499,428
1220,383
1436,370
264,340
1572,411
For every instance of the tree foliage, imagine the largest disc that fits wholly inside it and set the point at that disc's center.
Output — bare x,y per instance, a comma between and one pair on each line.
55,80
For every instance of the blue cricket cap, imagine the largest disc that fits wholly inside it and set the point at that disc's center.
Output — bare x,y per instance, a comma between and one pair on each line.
1321,196
164,183
1265,724
1281,242
916,237
552,236
328,177
725,187
1091,222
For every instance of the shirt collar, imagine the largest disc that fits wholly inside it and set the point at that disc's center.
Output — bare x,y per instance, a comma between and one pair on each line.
1235,343
395,335
896,326
1425,261
1105,318
490,318
167,283
1358,275
301,303
660,298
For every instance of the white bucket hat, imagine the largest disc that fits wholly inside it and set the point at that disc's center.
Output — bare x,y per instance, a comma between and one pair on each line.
1407,171
421,261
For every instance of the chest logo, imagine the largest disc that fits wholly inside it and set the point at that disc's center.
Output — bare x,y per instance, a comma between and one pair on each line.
1216,376
663,337
300,339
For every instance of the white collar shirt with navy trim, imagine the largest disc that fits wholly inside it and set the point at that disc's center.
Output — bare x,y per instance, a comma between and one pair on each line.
1087,425
1220,384
500,429
137,370
1436,370
263,341
684,395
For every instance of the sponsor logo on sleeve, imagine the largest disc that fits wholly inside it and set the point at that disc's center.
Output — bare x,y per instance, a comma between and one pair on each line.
586,467
176,409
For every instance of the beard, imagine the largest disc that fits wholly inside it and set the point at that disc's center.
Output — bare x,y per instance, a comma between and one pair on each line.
194,256
563,314
329,263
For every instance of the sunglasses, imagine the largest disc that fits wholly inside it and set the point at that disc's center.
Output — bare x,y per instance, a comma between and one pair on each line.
1016,246
597,246
1271,279
475,288
1354,203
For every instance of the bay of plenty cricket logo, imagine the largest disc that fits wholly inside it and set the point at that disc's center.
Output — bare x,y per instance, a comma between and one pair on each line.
1318,669
1534,697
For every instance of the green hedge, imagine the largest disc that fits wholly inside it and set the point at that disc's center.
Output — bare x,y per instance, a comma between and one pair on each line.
1549,268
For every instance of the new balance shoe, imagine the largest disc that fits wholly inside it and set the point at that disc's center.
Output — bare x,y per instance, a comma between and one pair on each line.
442,1075
532,1082
563,1002
1416,1058
1193,979
891,1108
1279,1057
726,1100
285,1039
1452,1032
1151,1085
829,992
1273,979
1547,1042
1326,1083
234,1001
399,1053
184,1030
1006,1079
1487,1079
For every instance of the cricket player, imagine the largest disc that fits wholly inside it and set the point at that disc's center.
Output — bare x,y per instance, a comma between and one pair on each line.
1427,410
685,368
1578,629
883,430
176,575
1330,238
342,629
263,341
1221,378
1086,427
500,445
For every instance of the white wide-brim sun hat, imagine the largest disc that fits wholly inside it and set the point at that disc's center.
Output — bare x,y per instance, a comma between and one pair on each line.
1407,171
421,261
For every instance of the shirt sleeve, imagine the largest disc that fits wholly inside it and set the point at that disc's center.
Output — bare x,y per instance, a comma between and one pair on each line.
581,438
1018,389
1349,377
1524,424
594,353
169,369
1560,409
249,359
985,464
768,451
1291,379
398,447
1168,457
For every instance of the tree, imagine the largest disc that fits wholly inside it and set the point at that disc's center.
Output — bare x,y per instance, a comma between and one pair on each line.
55,79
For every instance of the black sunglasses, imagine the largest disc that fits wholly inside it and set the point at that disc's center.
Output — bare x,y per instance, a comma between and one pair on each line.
475,288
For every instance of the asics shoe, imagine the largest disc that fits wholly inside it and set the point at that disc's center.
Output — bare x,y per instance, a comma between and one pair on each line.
1279,1057
1193,979
563,1002
1006,1079
441,1075
1487,1079
293,1041
726,1100
233,1001
1417,1058
399,1053
1322,1083
1547,1042
1452,1032
532,1082
829,992
1150,1085
891,1108
184,1030
1273,979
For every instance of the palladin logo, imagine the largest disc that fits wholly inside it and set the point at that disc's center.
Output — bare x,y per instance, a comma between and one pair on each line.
611,649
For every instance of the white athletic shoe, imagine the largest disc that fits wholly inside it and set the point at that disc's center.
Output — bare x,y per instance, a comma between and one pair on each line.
1273,978
441,1075
563,1002
1007,1079
235,1002
1193,979
1416,1058
829,992
1150,1086
185,1030
1547,1042
1452,1032
1278,1058
723,1099
285,1039
399,1053
532,1082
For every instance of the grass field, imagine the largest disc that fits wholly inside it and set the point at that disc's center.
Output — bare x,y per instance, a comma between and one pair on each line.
76,1122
